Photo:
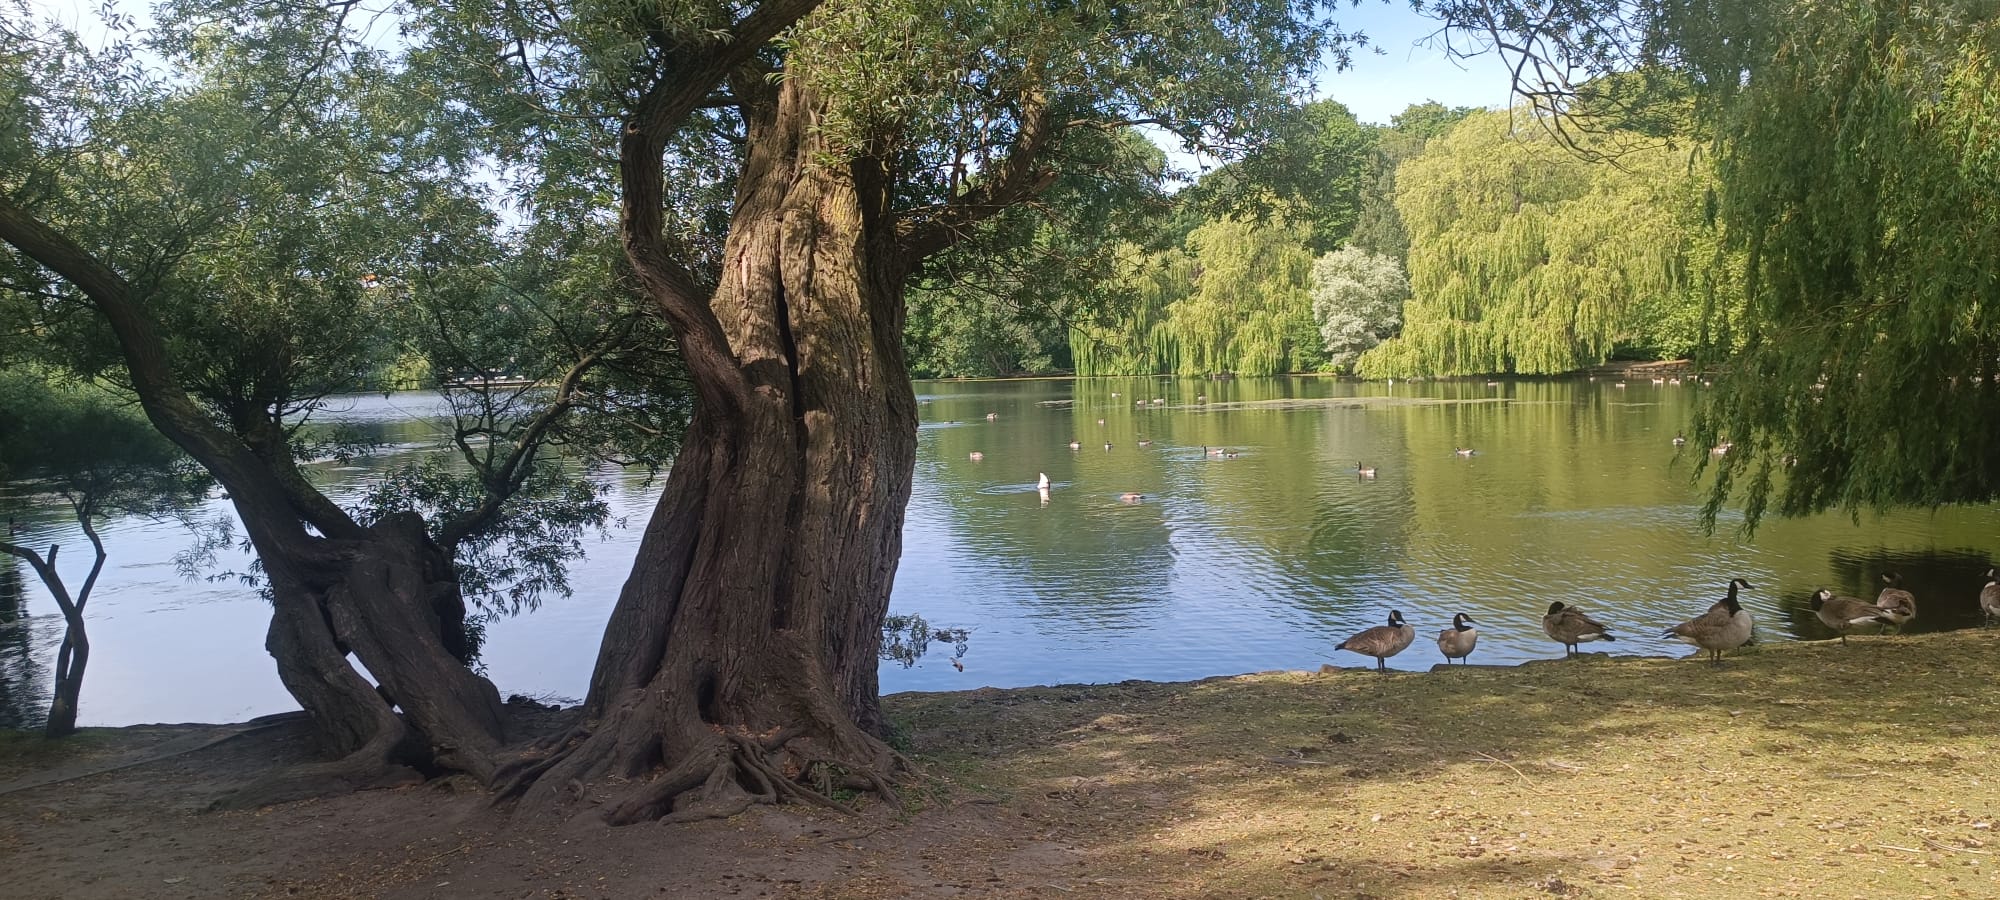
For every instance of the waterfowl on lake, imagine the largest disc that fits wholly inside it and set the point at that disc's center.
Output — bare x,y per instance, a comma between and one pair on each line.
1107,446
1382,641
1043,482
1725,626
1898,606
1100,421
1680,440
1076,445
1722,448
1989,597
1457,641
1132,497
1619,384
1844,614
1462,451
991,416
976,456
1145,442
1569,627
1364,471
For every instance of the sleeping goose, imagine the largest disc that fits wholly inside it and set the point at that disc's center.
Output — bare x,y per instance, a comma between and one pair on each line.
1898,606
1457,641
1989,597
1382,641
1570,627
1725,626
1843,614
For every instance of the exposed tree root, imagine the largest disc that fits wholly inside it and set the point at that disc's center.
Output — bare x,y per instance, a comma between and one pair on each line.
370,767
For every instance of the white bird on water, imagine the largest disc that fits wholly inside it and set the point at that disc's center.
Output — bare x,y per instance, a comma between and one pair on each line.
1043,484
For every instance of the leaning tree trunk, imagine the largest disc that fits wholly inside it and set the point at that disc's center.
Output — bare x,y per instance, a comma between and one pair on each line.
739,664
391,601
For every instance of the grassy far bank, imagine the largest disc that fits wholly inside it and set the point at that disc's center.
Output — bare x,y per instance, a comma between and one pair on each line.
1809,770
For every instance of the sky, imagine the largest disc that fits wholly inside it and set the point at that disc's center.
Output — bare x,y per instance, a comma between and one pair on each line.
1399,70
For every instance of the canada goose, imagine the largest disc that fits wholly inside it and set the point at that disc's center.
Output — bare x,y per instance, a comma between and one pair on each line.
1145,442
1674,380
1107,446
1898,606
1364,471
1159,400
1212,451
1462,451
1457,641
1680,440
1619,384
1076,445
1570,627
1114,393
1382,641
992,416
1100,421
1132,497
1726,626
1043,482
1843,614
977,456
1722,448
1659,381
1989,597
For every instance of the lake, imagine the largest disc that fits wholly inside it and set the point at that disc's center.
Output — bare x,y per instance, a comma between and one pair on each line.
1262,557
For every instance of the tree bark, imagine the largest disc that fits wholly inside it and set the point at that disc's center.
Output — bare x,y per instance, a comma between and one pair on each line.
386,592
739,664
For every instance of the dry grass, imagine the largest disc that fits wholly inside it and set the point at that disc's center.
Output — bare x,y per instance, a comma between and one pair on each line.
1808,770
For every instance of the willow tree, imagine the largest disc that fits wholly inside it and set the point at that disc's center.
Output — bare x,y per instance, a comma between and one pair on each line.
1250,310
231,245
858,141
1526,258
1857,165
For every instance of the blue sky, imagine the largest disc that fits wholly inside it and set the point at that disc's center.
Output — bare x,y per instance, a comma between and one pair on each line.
1380,84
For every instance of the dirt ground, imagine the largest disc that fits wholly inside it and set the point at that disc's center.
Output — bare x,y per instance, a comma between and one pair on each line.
1802,770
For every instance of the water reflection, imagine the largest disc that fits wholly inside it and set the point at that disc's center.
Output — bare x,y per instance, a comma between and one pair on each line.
1262,557
24,674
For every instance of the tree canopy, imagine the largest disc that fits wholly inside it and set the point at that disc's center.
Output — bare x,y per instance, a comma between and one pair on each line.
1855,159
1526,258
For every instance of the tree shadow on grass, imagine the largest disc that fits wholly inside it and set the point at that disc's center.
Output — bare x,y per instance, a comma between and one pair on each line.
1564,775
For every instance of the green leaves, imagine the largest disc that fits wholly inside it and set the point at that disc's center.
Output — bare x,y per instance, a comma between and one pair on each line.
1526,258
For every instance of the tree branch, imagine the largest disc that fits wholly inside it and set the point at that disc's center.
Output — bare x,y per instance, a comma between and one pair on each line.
165,402
676,93
1015,179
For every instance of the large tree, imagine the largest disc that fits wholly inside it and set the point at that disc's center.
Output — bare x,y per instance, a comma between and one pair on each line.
1856,165
858,142
236,242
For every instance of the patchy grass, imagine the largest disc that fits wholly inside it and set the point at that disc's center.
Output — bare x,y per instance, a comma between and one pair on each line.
1802,770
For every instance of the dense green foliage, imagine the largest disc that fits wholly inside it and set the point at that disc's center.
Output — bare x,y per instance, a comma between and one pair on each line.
1527,258
1856,159
300,218
88,448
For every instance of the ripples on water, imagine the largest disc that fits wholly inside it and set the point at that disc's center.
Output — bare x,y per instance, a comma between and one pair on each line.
1263,558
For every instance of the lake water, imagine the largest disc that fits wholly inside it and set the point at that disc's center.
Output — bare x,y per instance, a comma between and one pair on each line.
1262,558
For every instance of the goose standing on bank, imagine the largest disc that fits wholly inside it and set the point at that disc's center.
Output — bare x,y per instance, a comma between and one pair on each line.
1898,606
1382,641
1725,626
1989,596
1570,627
1843,614
1457,641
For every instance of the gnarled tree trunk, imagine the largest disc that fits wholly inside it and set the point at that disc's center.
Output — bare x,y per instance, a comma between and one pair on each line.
739,664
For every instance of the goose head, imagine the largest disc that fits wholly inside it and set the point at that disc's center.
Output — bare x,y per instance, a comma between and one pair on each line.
1395,618
1555,607
1820,597
1462,622
1735,583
